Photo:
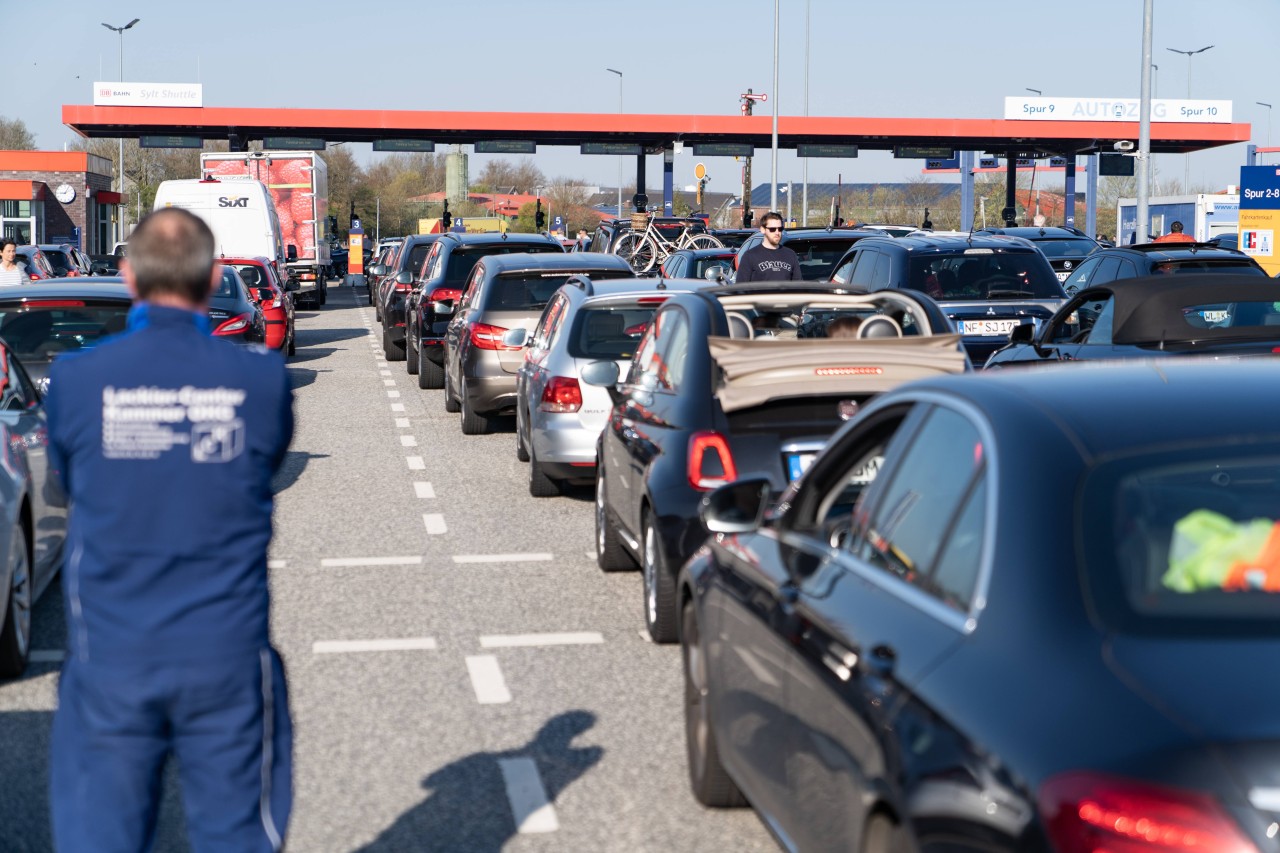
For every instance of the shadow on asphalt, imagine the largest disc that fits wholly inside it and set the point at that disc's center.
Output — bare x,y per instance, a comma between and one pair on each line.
312,337
311,354
295,462
468,807
301,377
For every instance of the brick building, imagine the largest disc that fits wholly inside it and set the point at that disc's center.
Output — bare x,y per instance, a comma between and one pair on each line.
58,197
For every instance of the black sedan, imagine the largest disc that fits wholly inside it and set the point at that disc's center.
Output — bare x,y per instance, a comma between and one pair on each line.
234,313
989,619
741,381
1154,317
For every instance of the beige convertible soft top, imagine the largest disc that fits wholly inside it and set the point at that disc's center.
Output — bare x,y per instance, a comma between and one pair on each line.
757,371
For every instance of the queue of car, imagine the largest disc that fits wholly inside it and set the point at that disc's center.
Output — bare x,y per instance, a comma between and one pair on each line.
834,489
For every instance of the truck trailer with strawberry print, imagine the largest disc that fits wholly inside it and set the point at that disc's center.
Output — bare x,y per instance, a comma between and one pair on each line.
299,185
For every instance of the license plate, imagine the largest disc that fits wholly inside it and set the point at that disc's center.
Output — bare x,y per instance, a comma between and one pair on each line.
1063,276
987,327
798,463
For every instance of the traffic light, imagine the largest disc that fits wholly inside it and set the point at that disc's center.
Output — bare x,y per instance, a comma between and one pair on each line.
539,218
446,221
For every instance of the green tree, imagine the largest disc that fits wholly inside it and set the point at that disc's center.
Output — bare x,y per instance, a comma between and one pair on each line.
14,135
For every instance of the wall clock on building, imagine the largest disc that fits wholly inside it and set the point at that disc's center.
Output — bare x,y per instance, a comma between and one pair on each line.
65,193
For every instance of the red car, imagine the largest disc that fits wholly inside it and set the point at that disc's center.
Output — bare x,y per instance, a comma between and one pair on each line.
276,302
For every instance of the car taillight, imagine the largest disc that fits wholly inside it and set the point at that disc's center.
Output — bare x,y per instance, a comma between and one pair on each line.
233,324
403,288
562,394
34,276
484,336
444,294
710,462
1092,813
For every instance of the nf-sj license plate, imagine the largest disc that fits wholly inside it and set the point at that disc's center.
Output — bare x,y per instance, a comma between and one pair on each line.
987,327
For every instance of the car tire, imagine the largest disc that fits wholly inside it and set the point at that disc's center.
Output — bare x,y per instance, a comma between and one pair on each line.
540,485
451,404
711,784
522,449
411,361
377,310
473,423
611,554
393,351
15,637
659,586
322,294
431,376
292,349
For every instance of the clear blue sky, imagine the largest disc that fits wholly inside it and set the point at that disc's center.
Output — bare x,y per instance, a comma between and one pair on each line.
927,58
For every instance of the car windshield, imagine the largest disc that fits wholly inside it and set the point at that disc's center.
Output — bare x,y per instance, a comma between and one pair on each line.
463,259
984,274
818,257
1066,248
43,329
1193,544
609,331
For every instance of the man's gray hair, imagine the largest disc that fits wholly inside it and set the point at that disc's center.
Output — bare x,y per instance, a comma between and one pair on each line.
171,251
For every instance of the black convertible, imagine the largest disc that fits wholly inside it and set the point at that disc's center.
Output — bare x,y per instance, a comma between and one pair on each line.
1154,316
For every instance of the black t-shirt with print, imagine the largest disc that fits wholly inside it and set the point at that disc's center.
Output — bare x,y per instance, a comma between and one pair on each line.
763,264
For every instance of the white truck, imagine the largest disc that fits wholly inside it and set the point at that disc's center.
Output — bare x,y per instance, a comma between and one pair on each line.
299,185
1203,216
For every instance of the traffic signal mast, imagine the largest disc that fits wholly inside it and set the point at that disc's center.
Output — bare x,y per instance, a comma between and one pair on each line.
748,100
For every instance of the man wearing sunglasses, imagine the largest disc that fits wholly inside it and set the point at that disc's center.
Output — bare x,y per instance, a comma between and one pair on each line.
769,261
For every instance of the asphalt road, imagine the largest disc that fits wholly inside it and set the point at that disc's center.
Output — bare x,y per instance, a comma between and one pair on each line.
462,676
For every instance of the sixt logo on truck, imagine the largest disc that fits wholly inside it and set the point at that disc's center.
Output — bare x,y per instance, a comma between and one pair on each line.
224,201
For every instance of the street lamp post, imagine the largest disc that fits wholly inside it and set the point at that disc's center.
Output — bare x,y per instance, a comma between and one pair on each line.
804,177
773,186
120,165
1186,178
1037,91
619,73
1268,106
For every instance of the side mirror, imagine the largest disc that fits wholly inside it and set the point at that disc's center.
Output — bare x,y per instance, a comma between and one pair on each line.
602,374
1024,333
292,286
515,338
736,507
378,269
404,277
292,252
714,274
445,306
265,294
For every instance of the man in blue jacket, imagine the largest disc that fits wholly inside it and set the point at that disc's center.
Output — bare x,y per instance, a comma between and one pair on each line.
166,439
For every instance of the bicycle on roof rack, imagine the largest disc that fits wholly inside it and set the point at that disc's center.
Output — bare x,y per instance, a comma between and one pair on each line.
643,249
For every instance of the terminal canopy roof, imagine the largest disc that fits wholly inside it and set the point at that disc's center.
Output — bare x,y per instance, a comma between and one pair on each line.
652,131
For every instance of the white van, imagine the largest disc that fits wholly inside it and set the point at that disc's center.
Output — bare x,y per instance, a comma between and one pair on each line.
240,213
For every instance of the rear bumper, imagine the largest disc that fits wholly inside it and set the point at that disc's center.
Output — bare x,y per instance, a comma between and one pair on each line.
489,388
562,439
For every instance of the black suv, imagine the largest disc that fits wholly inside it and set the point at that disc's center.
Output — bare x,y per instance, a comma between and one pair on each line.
1064,248
438,289
817,248
986,285
395,283
1107,265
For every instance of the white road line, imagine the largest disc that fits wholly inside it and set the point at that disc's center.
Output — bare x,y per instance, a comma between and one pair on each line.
415,463
591,555
503,558
529,806
389,382
434,522
346,562
400,644
277,564
46,656
384,372
397,407
402,423
513,641
393,394
424,491
487,680
408,441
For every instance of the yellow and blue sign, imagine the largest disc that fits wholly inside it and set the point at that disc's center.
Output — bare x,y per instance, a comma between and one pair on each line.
1260,215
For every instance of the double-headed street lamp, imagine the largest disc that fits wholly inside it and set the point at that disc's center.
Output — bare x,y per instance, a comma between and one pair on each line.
1186,179
619,73
1268,106
120,166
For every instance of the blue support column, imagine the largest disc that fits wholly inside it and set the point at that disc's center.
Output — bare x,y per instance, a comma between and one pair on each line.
1069,208
1251,155
966,190
1091,197
668,181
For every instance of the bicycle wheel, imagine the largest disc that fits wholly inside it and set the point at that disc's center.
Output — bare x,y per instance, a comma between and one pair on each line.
639,250
704,241
626,248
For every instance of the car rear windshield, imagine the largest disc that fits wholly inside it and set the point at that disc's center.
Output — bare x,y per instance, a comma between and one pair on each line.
417,256
464,258
1192,544
59,260
252,275
525,291
1066,247
818,257
979,274
1230,266
1250,318
228,286
46,328
609,331
701,265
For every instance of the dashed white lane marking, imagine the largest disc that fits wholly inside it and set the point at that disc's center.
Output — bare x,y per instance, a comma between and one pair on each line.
346,562
434,522
401,644
532,811
277,564
408,441
397,407
591,555
424,491
388,382
416,463
503,558
487,680
46,656
402,423
513,641
384,372
393,394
